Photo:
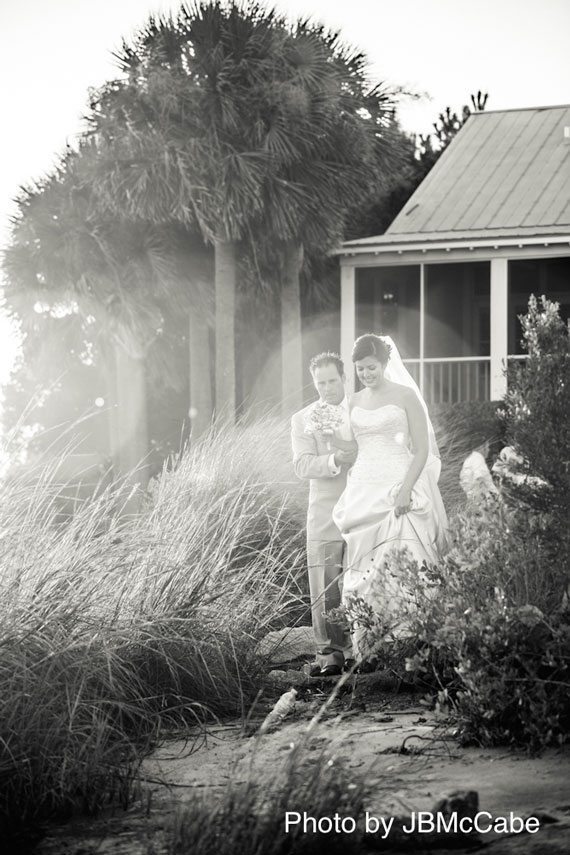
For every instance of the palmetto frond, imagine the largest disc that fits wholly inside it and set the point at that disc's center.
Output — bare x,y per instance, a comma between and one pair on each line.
227,124
123,272
227,109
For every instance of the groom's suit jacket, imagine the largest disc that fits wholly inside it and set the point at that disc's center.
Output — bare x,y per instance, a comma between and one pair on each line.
311,460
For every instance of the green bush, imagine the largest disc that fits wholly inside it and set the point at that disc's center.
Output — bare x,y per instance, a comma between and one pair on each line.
495,624
537,418
537,406
493,632
491,623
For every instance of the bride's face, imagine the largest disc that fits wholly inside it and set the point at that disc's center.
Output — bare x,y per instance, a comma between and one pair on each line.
369,371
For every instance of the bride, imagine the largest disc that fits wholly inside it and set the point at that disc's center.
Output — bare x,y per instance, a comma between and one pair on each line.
391,500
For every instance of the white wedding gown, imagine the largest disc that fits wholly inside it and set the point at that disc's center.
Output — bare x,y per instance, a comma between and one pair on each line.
365,512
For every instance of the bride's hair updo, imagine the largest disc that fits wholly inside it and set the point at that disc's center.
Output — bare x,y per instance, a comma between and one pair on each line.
371,345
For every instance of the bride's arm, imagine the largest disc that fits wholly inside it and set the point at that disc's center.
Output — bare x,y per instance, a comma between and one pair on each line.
417,424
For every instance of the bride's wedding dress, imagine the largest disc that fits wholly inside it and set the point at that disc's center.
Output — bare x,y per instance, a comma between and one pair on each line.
365,512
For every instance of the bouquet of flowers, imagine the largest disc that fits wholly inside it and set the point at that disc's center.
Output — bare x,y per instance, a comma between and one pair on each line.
324,418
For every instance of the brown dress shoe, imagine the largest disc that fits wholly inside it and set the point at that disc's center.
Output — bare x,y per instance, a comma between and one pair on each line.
331,671
314,669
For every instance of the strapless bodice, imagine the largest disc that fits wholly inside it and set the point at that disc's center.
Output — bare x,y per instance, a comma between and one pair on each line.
383,443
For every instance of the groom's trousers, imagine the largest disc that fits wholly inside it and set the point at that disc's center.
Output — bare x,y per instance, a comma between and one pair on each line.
325,546
325,564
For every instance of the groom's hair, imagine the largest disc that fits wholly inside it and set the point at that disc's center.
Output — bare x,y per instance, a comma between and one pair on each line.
326,358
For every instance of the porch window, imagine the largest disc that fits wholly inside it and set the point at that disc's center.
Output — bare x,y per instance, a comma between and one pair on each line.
388,303
457,332
457,310
548,276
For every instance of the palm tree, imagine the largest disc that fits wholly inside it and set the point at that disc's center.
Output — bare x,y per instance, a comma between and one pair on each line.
226,121
175,140
242,126
122,278
334,140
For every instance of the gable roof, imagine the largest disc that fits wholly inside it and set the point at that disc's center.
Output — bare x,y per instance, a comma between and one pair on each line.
506,173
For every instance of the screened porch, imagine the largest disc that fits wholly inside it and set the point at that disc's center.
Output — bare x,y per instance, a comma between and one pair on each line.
455,322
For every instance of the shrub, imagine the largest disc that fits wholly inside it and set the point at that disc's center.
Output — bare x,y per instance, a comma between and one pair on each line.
537,418
494,636
500,617
491,622
537,405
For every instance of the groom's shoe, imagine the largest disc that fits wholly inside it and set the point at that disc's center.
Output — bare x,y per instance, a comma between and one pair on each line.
332,662
331,671
315,669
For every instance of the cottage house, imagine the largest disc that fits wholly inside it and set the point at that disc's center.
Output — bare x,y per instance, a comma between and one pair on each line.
488,226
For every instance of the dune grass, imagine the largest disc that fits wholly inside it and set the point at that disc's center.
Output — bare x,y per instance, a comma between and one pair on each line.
250,818
117,628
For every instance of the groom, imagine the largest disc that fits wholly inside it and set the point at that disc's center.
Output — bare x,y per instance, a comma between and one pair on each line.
326,471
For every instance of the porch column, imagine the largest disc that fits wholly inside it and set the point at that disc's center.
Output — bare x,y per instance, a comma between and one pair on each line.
422,326
499,326
347,321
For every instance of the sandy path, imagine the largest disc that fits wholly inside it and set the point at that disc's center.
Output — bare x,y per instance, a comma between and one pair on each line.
368,744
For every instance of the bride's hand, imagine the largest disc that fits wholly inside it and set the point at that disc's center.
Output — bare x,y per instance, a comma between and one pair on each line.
348,445
403,502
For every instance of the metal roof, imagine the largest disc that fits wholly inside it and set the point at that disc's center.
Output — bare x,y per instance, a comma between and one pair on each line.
505,174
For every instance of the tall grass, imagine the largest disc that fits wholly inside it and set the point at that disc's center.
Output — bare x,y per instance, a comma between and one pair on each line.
116,627
249,818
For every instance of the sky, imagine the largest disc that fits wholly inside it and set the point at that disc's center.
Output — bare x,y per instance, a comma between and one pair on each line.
52,51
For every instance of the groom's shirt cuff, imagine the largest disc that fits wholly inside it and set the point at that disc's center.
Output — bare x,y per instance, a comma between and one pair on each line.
333,468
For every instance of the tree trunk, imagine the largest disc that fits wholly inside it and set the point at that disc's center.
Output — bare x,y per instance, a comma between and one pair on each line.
225,279
112,405
291,333
200,373
131,454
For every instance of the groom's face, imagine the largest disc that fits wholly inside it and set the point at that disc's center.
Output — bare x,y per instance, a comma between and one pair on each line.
329,383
